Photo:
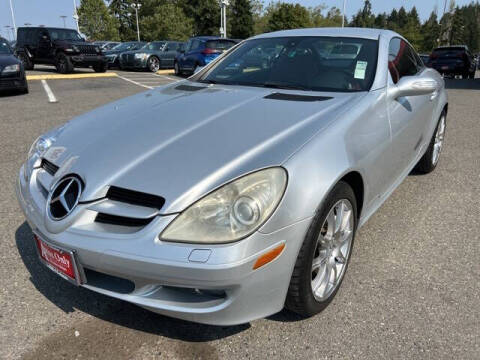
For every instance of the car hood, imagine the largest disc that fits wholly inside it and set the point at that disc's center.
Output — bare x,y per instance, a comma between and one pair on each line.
8,59
180,143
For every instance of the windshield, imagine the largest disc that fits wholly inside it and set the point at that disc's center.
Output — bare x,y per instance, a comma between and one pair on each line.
4,47
303,63
154,46
109,46
64,34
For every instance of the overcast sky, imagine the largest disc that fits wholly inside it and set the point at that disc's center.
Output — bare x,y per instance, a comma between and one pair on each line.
48,12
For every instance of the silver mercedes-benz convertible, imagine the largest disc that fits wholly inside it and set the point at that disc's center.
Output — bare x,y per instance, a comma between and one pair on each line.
225,197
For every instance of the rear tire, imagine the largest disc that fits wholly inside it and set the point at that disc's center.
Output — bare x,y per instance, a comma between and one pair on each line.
304,297
100,68
429,160
63,64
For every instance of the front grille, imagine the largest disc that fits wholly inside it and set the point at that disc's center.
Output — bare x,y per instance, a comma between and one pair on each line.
49,167
87,49
121,220
135,197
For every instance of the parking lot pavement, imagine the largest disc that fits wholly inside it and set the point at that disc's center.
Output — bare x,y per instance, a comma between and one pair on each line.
411,291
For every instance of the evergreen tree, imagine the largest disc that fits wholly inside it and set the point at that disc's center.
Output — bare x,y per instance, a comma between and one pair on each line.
96,22
166,22
241,16
364,17
289,16
205,15
122,11
431,33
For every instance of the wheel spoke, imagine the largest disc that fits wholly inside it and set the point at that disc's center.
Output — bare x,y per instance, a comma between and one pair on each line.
340,258
331,224
319,260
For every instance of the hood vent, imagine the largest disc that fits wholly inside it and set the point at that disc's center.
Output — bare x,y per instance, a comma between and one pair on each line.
135,197
49,167
190,88
294,97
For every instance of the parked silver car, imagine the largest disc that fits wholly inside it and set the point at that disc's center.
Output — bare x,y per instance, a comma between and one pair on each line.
222,198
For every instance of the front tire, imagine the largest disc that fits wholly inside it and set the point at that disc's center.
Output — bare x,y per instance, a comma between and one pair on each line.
429,160
100,68
153,64
63,64
325,253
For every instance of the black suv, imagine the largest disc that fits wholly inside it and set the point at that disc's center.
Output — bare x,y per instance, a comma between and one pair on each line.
64,48
453,60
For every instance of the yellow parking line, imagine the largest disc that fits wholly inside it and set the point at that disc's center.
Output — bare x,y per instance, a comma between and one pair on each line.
165,72
70,76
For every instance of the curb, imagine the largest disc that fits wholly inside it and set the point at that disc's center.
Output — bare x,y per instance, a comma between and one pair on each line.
70,76
165,72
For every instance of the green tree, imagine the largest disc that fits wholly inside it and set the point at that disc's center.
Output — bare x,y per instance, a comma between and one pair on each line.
241,16
96,22
364,17
166,22
411,30
122,11
289,16
430,33
205,15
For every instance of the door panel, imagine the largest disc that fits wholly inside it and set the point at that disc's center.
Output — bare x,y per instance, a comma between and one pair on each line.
409,116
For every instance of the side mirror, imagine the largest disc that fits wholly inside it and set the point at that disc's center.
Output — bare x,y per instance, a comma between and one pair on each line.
413,86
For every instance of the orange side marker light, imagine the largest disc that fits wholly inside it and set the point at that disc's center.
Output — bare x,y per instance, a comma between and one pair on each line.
269,256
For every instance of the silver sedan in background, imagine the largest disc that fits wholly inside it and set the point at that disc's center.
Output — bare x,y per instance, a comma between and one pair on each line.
223,198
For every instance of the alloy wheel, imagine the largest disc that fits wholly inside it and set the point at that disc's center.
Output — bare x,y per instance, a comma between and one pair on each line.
154,64
332,250
438,142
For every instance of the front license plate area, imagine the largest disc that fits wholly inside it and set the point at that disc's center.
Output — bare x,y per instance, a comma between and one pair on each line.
60,261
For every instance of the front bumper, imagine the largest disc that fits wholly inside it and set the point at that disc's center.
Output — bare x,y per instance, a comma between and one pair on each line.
83,60
133,63
207,284
14,81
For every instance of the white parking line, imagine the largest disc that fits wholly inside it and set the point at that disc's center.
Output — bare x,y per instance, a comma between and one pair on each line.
51,96
134,82
167,77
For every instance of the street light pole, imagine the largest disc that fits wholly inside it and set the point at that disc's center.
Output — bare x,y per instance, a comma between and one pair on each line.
137,7
13,18
63,18
75,15
223,17
343,14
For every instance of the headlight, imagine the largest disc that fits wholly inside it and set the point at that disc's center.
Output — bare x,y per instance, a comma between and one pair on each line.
140,56
231,212
43,142
11,69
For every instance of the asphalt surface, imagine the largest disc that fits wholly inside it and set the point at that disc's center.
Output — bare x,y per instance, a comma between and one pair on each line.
412,289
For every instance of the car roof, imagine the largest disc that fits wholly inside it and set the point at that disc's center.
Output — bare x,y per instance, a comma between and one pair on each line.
363,33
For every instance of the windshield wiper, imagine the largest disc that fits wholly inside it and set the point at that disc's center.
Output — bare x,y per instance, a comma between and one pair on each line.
208,81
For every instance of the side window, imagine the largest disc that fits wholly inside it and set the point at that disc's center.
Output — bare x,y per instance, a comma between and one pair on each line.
195,45
401,61
188,46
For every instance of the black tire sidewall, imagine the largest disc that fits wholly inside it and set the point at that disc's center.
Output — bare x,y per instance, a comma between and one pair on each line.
311,306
